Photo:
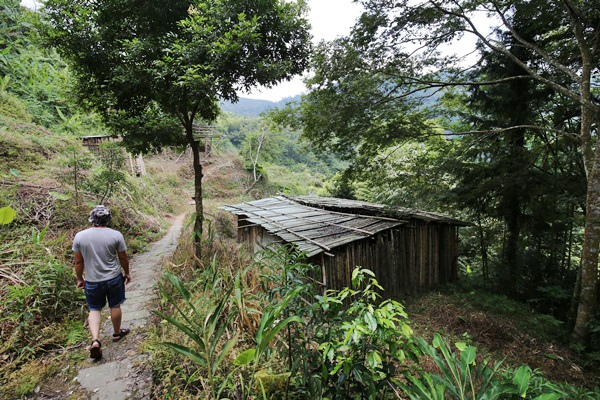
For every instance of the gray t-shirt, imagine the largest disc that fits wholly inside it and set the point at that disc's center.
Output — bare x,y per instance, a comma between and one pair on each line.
99,248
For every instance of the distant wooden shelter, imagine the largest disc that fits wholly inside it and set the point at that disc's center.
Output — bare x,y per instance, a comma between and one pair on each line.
205,134
136,164
408,250
93,142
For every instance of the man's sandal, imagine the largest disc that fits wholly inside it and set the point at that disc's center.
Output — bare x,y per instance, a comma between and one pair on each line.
118,336
96,352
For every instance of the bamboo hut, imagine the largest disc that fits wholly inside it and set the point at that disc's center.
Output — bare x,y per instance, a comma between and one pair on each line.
135,163
408,250
93,142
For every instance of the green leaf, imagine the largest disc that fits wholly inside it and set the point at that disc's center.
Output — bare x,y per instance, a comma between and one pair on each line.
406,330
521,379
224,350
179,285
183,328
371,321
186,351
336,368
374,359
245,358
269,336
468,355
461,346
7,214
548,396
15,172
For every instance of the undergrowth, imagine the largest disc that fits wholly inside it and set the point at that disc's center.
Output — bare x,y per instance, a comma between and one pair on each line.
234,328
503,328
42,314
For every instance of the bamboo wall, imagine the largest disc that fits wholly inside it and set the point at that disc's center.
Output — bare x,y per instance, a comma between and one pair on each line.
406,259
93,142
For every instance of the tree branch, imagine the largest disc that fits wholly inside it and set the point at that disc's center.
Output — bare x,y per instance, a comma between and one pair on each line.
487,42
502,130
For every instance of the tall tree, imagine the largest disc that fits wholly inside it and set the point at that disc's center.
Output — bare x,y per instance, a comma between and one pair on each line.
512,175
151,68
514,103
399,50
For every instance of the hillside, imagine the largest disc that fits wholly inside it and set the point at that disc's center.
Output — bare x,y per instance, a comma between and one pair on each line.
485,323
252,107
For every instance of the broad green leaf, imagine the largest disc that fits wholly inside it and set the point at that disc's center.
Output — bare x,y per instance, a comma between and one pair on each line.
406,330
461,346
521,379
437,341
469,355
374,359
548,396
245,358
7,214
368,272
371,321
15,172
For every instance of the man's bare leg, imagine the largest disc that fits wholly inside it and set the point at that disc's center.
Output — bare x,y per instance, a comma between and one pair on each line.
115,317
94,324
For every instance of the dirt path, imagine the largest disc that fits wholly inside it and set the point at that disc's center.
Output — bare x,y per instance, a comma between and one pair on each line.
121,373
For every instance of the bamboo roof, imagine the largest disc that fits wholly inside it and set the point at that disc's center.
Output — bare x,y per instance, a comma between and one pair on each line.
365,208
204,131
312,230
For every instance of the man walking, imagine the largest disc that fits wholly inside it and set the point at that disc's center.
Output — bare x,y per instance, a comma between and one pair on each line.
100,254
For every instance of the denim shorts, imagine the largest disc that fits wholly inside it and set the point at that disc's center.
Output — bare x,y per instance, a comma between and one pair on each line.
113,289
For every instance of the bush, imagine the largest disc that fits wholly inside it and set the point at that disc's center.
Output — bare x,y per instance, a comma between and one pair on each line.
462,377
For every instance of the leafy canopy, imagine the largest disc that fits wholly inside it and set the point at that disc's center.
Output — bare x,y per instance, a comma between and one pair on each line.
152,67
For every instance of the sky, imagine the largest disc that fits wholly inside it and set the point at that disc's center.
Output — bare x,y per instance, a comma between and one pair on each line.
328,18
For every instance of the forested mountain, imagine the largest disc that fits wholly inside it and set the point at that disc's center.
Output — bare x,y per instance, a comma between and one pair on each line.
253,107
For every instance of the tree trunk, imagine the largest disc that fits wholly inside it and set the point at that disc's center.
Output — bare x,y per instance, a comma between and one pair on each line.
194,145
591,237
483,246
511,202
574,301
589,257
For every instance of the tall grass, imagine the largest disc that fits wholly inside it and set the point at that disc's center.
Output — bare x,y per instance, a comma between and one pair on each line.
39,301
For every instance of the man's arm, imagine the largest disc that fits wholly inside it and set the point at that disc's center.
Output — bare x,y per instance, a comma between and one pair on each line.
124,260
79,270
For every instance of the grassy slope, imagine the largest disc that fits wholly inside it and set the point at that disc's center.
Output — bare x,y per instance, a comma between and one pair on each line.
42,315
